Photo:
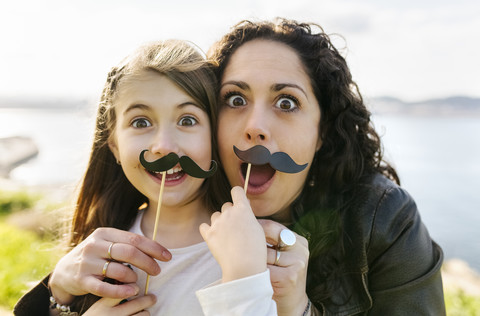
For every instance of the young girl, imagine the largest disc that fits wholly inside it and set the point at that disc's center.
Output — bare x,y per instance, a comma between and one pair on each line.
159,99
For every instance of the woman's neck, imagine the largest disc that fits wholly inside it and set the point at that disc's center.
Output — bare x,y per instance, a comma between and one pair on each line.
177,226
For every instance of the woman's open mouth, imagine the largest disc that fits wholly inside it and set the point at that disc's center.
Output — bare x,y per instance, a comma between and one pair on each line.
260,177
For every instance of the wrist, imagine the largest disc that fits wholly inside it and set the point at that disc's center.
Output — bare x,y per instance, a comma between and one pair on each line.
242,272
61,297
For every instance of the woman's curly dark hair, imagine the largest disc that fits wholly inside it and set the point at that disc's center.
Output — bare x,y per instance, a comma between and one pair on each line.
351,149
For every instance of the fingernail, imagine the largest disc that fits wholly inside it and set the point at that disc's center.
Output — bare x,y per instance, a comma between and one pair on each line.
136,290
167,254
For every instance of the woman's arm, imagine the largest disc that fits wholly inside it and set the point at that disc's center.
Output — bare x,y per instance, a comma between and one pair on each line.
404,263
81,271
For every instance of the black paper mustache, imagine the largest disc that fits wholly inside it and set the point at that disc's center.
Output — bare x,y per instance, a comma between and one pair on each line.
260,155
169,161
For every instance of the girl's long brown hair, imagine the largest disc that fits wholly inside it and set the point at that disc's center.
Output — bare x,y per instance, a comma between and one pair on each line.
106,198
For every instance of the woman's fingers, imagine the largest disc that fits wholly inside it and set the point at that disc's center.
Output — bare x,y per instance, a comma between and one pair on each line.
118,291
142,243
272,231
133,255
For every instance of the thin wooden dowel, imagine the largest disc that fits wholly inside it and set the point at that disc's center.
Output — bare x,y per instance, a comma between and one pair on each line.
157,217
247,178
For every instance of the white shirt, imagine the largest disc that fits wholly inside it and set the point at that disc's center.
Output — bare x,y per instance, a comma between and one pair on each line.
193,269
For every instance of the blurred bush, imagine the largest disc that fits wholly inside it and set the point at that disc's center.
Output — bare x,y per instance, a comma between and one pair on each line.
24,260
12,201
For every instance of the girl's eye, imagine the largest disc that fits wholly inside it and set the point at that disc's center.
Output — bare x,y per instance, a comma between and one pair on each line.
235,100
287,104
141,123
187,121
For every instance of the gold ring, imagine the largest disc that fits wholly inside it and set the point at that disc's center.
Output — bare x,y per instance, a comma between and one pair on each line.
278,254
105,267
109,252
286,240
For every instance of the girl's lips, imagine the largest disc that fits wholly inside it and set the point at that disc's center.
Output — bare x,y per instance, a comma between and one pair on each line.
174,176
260,180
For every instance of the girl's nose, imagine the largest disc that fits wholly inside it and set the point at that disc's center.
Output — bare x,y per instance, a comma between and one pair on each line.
164,143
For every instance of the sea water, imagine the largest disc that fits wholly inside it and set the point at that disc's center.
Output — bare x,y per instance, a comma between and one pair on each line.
437,158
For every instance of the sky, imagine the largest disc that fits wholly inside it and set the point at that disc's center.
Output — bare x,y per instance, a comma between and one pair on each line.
410,49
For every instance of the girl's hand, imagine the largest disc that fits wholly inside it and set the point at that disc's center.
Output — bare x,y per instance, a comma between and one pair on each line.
81,270
289,273
110,306
236,239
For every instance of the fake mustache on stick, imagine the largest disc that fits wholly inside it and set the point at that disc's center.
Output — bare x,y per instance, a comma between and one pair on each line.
169,161
260,155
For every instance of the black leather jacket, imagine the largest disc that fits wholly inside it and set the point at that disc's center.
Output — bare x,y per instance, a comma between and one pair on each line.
393,266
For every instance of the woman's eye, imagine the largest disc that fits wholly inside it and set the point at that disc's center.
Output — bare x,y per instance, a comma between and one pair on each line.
287,104
236,100
141,123
187,121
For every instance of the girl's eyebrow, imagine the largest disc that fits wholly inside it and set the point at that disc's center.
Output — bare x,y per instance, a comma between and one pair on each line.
141,106
134,106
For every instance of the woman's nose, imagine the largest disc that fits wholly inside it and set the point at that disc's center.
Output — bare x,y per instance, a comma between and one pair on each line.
256,128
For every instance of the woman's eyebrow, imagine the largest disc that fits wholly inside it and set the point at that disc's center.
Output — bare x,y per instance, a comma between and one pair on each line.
279,86
241,84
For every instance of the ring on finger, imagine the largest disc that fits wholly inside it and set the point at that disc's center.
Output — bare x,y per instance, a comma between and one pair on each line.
287,239
109,252
278,253
105,267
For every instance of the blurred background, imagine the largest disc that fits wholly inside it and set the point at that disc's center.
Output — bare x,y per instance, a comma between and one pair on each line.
416,63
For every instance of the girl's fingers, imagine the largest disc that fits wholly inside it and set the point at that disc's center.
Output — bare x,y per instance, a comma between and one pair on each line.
136,305
239,196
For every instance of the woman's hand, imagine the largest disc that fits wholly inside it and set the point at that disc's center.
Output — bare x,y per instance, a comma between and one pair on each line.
289,273
111,306
236,239
81,271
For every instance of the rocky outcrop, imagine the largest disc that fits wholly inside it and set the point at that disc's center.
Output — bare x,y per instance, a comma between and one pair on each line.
15,151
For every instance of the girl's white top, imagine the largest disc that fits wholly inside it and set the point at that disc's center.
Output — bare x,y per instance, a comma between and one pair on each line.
193,272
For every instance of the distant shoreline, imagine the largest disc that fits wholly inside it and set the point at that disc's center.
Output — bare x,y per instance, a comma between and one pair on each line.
451,106
448,106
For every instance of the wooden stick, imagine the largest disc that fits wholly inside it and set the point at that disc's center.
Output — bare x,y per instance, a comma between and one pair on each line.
157,217
247,177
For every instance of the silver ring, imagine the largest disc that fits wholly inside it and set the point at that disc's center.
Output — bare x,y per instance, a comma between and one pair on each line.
105,267
109,252
278,254
287,239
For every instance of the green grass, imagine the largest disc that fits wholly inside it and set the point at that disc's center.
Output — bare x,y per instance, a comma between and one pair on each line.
460,304
24,259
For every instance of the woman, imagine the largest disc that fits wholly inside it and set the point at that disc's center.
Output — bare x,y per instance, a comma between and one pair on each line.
283,85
